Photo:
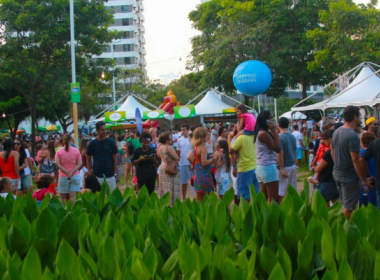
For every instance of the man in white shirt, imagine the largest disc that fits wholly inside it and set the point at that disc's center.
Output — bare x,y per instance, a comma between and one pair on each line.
299,143
183,149
175,139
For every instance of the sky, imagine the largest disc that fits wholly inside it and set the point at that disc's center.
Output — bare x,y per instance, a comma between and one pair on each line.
167,35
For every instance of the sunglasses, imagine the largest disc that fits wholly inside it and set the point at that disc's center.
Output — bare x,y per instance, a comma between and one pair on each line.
15,143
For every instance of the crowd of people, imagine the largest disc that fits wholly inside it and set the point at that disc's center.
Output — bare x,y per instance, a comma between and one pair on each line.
263,152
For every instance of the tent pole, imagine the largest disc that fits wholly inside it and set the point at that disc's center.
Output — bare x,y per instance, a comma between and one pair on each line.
115,103
315,92
258,102
275,108
198,96
143,100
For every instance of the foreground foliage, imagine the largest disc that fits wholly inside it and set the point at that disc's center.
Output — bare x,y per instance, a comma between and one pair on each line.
129,237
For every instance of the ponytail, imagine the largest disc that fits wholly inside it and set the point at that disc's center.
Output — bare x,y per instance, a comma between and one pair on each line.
66,142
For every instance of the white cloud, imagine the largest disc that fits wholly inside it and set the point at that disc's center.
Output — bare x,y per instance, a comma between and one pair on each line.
167,34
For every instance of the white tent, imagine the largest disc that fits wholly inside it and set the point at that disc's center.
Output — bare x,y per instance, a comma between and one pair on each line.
129,107
362,91
293,116
211,104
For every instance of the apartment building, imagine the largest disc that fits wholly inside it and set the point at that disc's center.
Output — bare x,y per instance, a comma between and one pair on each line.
129,51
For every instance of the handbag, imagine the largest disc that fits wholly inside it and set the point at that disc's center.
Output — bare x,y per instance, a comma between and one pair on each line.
171,166
47,168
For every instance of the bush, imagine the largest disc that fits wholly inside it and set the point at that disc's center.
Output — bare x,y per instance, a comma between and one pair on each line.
116,237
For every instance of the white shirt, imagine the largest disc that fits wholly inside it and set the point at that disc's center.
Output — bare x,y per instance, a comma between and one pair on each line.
298,136
5,195
310,124
27,169
184,145
175,137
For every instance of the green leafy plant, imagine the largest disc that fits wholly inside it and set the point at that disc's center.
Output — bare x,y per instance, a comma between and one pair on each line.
115,236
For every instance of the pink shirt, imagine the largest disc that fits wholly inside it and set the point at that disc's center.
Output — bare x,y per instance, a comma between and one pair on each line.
68,159
249,121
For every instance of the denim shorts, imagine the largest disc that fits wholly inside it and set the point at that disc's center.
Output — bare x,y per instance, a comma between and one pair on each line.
65,185
14,183
266,173
127,160
329,191
185,173
248,132
24,184
244,181
223,186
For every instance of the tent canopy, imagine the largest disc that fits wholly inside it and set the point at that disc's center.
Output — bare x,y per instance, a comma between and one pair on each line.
294,116
210,104
362,91
129,107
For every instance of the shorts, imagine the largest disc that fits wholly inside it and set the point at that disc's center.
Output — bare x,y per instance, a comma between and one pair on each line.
127,160
248,132
349,191
284,183
244,181
30,179
65,185
266,173
223,186
299,153
329,191
111,181
24,183
185,173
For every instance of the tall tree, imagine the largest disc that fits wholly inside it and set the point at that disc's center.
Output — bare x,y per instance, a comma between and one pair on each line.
35,54
349,34
270,31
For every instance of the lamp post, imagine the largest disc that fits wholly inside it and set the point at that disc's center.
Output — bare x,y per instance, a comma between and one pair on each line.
73,72
113,77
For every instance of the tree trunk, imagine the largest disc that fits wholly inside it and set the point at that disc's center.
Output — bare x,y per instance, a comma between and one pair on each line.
33,109
304,86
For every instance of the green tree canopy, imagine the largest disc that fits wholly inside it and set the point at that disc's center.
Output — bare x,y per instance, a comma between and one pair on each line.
35,53
270,31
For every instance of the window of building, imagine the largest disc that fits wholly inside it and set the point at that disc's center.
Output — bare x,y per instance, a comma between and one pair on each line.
126,21
128,34
126,8
128,60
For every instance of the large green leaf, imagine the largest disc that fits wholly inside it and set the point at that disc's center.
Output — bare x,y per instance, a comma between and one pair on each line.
67,261
345,272
277,273
46,226
327,246
68,228
31,268
171,263
268,260
341,244
220,220
187,258
17,241
284,260
106,258
318,206
305,255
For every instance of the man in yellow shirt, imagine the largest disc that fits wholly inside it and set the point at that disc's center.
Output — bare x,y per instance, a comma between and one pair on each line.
246,165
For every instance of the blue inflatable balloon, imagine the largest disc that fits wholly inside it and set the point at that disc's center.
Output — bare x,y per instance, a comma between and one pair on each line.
252,77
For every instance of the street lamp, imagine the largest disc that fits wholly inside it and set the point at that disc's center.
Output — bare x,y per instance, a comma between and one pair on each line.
73,72
113,77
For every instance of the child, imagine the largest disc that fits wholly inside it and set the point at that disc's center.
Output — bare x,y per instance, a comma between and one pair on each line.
305,141
223,166
247,121
91,184
44,185
322,149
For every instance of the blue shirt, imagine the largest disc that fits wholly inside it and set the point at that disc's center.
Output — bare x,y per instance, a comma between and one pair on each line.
102,154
